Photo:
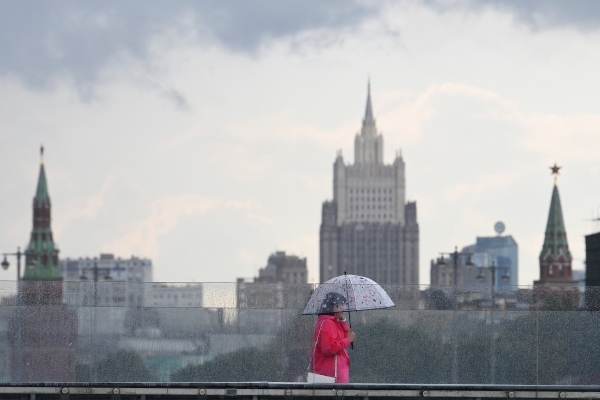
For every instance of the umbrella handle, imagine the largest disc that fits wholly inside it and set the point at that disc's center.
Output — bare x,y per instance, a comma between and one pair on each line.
350,325
349,313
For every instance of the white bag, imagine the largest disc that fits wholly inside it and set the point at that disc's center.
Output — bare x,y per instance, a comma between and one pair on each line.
311,377
318,378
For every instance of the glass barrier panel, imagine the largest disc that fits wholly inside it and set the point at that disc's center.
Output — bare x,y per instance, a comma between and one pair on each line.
118,332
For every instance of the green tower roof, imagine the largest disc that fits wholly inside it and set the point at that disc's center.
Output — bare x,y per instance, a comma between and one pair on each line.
555,240
41,255
42,186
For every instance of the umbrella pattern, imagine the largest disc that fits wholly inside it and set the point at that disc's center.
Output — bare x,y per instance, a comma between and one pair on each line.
361,294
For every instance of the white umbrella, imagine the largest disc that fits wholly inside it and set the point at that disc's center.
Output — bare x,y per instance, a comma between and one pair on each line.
361,294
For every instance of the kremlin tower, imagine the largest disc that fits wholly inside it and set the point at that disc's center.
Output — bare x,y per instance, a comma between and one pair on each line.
43,330
42,280
555,257
556,289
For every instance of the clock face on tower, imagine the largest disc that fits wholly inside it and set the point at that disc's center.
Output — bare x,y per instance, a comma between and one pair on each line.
499,227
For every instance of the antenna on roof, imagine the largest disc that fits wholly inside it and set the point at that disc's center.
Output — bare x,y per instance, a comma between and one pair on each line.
595,220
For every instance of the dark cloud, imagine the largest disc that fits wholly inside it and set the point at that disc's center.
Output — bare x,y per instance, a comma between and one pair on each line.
43,40
583,15
579,14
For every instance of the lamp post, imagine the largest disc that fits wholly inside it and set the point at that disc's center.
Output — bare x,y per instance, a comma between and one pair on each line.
95,272
455,256
493,268
83,277
481,277
5,264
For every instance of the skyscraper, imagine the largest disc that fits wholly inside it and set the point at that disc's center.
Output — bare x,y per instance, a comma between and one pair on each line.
368,229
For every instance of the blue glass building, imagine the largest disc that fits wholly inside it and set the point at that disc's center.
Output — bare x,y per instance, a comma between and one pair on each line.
503,252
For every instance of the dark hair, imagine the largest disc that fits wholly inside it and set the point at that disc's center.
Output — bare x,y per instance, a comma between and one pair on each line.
331,300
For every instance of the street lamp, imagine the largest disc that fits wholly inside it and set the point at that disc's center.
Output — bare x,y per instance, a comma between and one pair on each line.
5,264
455,256
95,272
83,277
505,278
493,268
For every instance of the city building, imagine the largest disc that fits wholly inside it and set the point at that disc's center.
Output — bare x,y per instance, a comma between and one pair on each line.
592,260
106,280
368,228
442,274
170,295
283,268
133,269
282,283
500,251
592,271
42,330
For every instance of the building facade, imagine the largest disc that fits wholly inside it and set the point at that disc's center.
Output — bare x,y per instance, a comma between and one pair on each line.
368,228
173,295
282,283
283,268
501,251
592,271
106,280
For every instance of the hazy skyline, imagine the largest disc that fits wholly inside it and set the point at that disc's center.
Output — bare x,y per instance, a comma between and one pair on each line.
202,135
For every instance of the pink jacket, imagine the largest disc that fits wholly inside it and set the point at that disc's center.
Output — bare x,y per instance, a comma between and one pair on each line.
332,342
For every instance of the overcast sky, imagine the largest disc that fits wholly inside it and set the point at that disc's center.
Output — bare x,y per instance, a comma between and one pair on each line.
202,135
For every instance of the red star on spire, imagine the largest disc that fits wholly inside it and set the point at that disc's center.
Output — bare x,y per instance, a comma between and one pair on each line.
555,169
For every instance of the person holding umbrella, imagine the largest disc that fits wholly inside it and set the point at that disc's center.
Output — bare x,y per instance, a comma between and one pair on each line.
331,337
329,360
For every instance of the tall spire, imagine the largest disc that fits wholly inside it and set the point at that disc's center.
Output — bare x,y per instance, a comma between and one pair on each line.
555,240
369,120
42,186
368,145
41,255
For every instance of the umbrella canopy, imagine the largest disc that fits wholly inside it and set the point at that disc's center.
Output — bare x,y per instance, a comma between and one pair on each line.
361,294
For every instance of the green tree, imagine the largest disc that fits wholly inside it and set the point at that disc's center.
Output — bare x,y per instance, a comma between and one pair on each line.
246,365
121,366
141,317
386,353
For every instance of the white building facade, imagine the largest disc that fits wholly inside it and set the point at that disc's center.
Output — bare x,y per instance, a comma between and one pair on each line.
174,295
106,280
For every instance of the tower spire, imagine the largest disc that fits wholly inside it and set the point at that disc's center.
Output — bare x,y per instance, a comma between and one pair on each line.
41,194
368,145
369,120
555,240
41,255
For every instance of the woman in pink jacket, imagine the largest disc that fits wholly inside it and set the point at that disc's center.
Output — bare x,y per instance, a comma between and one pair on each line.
331,338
